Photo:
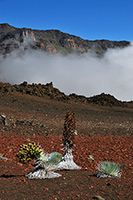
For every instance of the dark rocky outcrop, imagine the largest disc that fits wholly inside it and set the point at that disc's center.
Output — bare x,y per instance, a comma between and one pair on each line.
48,90
53,41
105,100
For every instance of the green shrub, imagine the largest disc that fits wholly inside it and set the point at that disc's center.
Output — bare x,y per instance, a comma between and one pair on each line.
29,152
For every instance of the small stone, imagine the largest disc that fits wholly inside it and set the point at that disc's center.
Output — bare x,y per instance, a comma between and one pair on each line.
98,197
86,168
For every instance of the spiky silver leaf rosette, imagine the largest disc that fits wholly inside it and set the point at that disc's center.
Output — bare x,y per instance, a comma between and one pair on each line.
45,166
109,169
67,162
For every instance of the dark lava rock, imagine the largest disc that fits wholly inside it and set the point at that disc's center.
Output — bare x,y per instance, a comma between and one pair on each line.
48,90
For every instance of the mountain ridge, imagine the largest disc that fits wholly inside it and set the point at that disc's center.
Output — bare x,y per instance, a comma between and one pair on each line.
53,41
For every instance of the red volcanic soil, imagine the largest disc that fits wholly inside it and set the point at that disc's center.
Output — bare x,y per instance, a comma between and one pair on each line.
103,132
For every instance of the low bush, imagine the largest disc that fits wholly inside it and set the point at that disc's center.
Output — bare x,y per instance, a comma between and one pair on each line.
29,152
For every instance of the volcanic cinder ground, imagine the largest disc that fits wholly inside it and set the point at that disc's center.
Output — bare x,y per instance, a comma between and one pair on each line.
103,132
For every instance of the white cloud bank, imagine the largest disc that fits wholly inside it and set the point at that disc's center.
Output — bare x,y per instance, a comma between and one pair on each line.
84,75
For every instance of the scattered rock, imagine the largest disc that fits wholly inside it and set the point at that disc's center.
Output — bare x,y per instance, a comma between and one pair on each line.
3,158
24,122
4,120
98,197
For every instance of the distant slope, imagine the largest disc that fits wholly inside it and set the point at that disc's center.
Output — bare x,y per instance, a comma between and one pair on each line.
53,41
48,90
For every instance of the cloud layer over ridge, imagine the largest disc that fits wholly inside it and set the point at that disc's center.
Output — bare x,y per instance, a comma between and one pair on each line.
85,74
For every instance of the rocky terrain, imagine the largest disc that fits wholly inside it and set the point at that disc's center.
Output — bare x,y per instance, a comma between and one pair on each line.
53,41
104,131
48,90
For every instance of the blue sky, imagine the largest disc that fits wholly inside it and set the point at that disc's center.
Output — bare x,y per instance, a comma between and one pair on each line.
88,19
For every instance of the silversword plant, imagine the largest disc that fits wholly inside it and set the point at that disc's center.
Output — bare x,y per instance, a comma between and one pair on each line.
109,169
45,166
69,133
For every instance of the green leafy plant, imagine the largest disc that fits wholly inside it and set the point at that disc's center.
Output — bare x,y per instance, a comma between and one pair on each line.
29,152
109,169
